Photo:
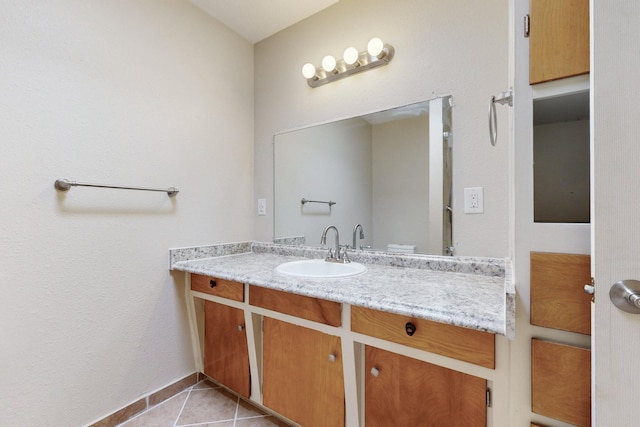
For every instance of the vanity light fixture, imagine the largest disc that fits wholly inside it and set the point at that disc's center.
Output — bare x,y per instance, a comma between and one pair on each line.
378,53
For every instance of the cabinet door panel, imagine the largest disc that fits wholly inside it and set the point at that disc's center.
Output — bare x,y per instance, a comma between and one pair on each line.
299,380
409,392
559,39
226,355
561,382
558,299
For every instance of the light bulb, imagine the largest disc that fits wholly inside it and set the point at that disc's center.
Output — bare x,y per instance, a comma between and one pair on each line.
308,71
329,63
375,47
350,55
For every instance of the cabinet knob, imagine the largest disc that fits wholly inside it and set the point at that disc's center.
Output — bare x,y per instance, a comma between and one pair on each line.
410,328
375,372
212,283
240,328
332,357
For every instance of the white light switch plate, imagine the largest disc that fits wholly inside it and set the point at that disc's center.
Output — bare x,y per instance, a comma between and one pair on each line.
473,200
262,207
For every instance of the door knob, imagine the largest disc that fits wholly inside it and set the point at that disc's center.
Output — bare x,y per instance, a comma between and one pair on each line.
625,295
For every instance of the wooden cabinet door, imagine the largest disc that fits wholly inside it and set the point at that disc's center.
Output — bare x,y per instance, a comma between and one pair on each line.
558,39
561,382
558,299
302,374
226,355
401,391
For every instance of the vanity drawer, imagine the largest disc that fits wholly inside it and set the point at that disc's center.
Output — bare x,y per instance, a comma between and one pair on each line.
218,287
464,344
309,308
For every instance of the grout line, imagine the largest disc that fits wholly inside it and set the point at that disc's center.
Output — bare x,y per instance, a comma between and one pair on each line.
205,423
175,423
235,416
150,408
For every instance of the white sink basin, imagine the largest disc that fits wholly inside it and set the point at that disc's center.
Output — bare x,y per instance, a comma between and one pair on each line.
319,268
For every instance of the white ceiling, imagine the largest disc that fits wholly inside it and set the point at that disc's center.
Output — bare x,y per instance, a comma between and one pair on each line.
258,19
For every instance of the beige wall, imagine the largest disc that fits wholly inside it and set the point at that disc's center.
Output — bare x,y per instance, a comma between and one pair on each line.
401,183
561,172
458,48
328,164
145,92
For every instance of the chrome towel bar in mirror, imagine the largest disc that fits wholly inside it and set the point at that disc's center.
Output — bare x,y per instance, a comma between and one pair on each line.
305,201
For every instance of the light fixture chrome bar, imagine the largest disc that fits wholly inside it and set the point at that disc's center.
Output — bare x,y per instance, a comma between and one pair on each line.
376,55
332,77
304,201
65,185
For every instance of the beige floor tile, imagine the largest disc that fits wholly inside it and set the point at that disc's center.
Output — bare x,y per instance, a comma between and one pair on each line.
205,384
246,410
162,415
267,421
220,424
208,406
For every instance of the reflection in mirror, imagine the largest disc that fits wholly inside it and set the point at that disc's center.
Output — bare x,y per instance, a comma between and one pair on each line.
561,151
390,172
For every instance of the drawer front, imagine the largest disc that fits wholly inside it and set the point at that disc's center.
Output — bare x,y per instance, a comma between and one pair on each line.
309,308
464,344
218,287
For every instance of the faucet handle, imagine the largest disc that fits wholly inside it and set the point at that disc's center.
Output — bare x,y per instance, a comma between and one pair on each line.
330,255
344,257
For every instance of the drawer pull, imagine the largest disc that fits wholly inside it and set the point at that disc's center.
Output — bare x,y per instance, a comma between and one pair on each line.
332,357
410,328
212,283
375,371
240,328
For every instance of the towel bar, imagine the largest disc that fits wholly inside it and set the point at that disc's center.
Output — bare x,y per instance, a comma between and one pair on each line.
65,185
330,203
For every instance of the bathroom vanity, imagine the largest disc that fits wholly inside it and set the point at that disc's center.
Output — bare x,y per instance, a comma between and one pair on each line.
413,338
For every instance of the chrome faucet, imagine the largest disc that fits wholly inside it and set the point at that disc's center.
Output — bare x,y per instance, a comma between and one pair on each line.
331,257
355,229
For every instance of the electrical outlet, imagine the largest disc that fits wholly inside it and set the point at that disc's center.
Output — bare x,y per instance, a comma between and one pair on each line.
473,200
262,207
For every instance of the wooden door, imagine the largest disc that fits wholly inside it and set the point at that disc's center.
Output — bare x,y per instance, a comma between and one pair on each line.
616,206
558,40
401,391
226,355
302,374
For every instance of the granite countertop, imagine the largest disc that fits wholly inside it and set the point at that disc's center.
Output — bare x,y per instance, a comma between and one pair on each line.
476,293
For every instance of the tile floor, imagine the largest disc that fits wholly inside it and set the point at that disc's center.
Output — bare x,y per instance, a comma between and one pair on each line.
204,404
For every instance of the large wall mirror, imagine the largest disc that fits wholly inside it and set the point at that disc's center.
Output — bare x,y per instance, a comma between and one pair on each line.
388,171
